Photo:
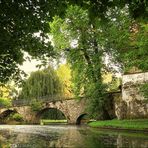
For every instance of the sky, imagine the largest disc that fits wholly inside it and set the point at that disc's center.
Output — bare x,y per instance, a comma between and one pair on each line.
29,66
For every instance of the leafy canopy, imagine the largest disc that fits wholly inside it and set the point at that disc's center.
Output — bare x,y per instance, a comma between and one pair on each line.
19,23
20,20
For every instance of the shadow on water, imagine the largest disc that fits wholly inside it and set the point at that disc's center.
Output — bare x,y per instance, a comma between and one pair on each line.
36,136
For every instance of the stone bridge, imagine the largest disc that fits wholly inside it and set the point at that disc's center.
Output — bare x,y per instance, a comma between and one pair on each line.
127,104
73,110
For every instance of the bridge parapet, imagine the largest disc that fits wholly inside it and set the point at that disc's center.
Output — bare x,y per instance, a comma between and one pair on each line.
43,99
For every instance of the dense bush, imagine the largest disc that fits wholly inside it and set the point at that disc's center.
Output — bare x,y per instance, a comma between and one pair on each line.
36,105
16,117
5,102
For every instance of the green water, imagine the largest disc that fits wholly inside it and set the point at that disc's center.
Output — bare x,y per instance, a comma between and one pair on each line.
36,136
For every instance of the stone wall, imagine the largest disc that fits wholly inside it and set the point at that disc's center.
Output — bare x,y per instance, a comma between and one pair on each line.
132,104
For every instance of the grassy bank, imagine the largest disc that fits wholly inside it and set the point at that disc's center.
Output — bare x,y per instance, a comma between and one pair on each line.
46,122
136,124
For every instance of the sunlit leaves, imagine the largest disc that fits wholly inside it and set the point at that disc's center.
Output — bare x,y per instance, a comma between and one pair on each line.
64,74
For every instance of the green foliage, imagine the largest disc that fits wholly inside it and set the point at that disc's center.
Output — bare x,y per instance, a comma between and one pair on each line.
64,75
5,102
138,124
36,105
40,84
87,31
20,20
8,91
83,52
16,117
98,8
85,43
96,101
48,122
144,90
127,40
115,84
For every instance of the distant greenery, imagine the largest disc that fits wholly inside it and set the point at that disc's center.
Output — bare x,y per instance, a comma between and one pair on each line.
40,84
135,124
84,57
5,102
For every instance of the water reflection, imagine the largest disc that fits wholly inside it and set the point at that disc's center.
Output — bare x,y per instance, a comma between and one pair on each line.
68,136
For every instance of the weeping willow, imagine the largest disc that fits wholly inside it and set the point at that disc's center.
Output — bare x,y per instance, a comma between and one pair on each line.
41,84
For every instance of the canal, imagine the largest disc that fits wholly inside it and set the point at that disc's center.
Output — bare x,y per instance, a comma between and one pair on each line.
36,136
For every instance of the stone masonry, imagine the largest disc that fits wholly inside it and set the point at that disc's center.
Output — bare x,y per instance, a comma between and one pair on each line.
72,109
131,104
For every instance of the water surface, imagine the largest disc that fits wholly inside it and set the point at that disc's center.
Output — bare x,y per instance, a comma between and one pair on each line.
36,136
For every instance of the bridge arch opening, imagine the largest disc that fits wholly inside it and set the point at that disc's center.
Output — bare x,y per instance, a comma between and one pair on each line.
82,119
51,115
10,116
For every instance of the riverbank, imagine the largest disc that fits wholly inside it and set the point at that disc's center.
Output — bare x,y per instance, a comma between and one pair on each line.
134,125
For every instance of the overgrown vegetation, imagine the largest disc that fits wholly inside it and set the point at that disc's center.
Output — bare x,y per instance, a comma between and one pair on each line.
16,117
5,102
36,105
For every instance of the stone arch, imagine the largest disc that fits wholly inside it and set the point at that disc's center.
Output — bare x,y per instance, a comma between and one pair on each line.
6,113
39,114
80,117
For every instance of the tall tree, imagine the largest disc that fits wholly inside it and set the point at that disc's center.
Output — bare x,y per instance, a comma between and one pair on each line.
19,21
127,40
40,84
137,8
86,43
79,39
